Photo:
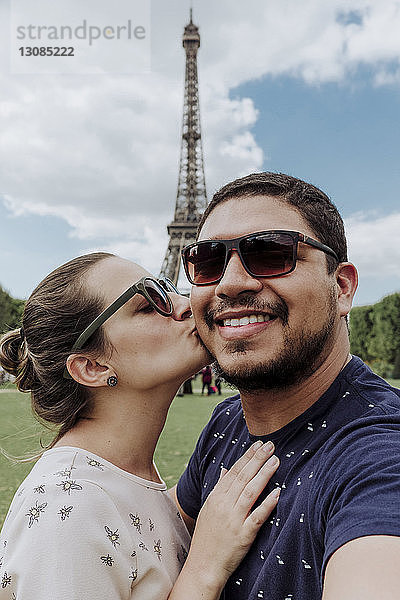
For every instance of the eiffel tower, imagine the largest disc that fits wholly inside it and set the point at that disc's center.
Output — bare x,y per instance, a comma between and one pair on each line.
191,198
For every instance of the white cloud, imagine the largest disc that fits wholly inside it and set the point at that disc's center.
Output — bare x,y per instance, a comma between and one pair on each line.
313,40
144,249
374,245
102,151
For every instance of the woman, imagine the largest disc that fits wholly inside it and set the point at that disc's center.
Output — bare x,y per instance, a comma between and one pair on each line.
93,519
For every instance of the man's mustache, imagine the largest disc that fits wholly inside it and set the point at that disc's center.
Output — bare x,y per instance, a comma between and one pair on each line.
278,308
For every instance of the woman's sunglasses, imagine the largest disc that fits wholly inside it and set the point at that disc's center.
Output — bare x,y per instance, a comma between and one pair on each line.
263,254
155,292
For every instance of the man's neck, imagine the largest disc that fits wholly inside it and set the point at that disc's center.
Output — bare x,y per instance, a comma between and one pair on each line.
270,410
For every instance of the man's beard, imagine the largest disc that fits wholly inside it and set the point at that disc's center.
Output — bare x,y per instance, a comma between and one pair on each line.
301,354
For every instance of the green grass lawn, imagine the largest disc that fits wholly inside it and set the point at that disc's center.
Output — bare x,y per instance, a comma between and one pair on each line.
20,434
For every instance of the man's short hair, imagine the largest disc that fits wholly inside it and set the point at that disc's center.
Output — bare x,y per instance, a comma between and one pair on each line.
314,206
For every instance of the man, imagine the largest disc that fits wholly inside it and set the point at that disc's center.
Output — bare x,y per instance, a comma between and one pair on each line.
272,288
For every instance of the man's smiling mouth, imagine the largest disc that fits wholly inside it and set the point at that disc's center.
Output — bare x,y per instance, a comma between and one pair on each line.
247,320
245,312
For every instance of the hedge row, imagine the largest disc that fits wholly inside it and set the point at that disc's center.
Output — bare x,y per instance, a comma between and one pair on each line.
375,335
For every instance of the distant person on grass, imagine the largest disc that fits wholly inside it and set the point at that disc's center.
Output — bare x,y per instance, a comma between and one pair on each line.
206,376
103,350
272,288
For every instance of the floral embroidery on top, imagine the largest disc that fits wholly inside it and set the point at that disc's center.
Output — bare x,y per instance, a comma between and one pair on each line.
113,536
65,512
151,525
6,580
94,463
136,522
39,489
157,548
134,569
133,575
34,512
69,485
107,560
65,472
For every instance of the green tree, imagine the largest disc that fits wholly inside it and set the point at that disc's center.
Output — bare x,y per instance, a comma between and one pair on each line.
384,342
375,335
396,369
360,331
10,311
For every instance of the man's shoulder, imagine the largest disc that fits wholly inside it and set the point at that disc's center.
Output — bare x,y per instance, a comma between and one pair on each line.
370,388
365,416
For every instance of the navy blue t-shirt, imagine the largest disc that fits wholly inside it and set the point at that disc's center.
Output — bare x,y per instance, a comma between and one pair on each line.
340,480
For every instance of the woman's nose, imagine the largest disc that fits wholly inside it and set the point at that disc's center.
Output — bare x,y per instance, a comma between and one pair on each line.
181,306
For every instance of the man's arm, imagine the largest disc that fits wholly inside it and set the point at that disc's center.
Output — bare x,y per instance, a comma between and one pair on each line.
189,522
365,568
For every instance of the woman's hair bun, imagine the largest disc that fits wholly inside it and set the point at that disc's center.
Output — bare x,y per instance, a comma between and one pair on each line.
14,358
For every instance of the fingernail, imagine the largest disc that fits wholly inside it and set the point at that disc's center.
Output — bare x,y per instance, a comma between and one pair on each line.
272,461
276,493
257,445
267,447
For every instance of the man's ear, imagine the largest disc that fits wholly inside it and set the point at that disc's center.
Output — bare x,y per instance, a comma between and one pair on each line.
347,281
88,371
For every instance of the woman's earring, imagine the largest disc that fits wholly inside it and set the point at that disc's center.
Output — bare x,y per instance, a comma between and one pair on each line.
112,381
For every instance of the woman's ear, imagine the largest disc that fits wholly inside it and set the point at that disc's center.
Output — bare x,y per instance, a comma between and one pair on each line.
87,371
347,281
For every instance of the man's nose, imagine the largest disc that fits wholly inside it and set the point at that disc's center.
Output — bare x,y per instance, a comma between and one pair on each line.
236,280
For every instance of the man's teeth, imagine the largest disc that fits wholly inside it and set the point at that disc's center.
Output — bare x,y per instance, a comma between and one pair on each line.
246,320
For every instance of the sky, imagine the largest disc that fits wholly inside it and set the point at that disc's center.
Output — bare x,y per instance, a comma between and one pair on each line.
89,159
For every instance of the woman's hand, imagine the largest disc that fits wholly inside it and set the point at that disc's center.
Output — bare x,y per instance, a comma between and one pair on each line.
226,526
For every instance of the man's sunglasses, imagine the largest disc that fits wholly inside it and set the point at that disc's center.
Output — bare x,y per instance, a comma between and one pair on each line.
263,254
155,292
